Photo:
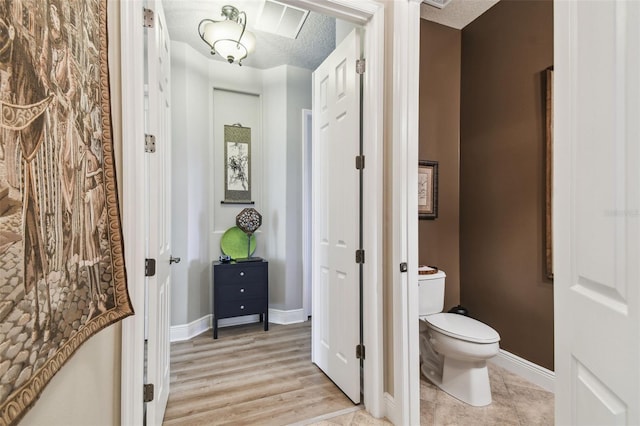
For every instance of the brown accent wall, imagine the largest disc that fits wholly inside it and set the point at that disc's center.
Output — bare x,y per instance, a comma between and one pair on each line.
440,49
502,191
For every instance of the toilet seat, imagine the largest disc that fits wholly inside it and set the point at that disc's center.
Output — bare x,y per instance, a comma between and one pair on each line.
462,327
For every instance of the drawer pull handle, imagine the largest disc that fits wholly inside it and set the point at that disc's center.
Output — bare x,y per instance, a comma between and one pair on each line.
241,306
242,274
242,290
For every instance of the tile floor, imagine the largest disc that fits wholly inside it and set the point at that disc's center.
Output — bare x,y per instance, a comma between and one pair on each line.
515,402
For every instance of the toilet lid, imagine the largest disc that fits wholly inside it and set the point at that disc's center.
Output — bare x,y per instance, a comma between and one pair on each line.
462,327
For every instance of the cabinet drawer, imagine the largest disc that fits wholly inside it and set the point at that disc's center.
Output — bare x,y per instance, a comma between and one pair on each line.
239,274
240,291
234,308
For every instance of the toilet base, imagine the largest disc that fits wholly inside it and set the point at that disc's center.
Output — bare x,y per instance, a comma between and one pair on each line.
464,380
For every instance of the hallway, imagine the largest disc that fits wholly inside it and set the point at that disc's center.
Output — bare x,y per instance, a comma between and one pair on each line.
248,376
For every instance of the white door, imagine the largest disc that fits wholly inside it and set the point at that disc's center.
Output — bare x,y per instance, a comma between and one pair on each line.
336,222
596,212
158,176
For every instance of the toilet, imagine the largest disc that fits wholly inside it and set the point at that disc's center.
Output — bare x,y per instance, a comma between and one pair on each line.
454,348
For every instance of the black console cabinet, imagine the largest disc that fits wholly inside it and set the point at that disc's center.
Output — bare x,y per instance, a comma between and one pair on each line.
240,289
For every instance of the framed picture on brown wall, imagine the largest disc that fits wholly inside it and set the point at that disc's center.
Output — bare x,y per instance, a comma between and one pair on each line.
549,174
427,189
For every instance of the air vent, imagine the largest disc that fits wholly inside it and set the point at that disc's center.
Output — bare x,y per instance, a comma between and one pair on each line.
436,3
281,19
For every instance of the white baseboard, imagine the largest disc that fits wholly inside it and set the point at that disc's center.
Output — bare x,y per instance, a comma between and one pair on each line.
179,333
392,410
534,373
292,316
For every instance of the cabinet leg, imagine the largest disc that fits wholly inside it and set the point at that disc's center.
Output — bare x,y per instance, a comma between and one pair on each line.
215,328
266,321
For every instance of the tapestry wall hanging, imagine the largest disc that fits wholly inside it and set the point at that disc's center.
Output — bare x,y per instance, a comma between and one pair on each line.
62,274
237,165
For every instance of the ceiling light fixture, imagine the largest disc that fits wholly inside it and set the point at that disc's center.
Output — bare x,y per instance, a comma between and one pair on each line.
229,37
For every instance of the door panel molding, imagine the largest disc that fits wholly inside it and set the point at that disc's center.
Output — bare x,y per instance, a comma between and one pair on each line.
595,218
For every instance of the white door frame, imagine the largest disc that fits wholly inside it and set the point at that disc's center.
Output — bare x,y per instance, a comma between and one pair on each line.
133,219
403,407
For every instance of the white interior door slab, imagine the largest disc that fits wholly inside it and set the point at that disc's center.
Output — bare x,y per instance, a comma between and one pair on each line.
596,220
336,221
158,182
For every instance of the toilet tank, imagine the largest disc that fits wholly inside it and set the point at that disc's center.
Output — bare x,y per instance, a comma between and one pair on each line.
431,292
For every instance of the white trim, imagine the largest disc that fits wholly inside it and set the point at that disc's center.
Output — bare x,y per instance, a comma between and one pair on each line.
413,107
393,412
404,184
358,12
373,222
182,332
293,316
534,373
133,220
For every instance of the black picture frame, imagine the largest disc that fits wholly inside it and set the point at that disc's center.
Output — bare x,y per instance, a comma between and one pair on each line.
237,164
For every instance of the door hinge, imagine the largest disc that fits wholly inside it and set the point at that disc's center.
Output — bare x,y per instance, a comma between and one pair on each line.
148,18
360,256
361,66
360,351
149,267
360,162
149,143
404,267
147,392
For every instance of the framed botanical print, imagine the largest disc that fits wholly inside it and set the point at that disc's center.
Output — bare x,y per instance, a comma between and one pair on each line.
427,189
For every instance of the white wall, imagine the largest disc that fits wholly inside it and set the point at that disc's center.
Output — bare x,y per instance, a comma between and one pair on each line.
191,112
236,95
231,107
207,95
86,390
275,214
299,85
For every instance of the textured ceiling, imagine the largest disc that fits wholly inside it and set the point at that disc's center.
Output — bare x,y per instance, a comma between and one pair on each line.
314,43
458,13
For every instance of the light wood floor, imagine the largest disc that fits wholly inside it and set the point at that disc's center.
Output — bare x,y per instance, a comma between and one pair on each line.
249,377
